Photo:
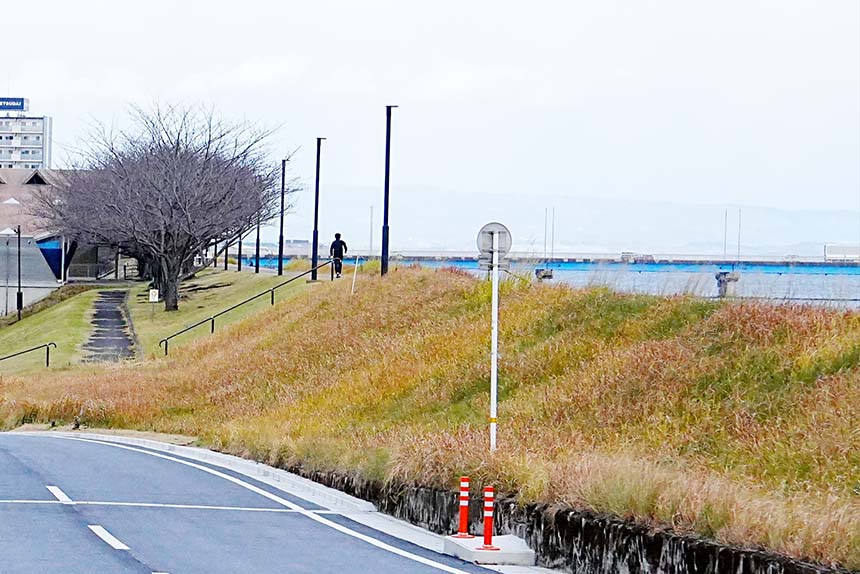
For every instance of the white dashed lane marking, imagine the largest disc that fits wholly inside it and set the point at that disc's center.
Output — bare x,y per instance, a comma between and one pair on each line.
59,494
109,538
286,504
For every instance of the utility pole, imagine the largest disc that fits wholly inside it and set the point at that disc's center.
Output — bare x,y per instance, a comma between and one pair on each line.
316,241
370,249
384,265
8,268
281,235
545,217
739,235
19,300
257,247
239,254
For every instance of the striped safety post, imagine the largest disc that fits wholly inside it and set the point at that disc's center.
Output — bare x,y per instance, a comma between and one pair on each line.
489,501
464,509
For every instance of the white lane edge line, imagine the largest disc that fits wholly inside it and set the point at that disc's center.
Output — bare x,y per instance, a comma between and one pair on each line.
324,521
106,536
177,506
59,494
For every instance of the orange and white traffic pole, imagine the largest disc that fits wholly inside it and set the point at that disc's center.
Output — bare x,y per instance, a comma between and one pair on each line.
489,501
463,531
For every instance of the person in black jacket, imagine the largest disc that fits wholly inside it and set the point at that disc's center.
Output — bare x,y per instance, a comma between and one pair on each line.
337,251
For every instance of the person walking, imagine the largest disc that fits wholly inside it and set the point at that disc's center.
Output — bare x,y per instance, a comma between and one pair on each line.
337,251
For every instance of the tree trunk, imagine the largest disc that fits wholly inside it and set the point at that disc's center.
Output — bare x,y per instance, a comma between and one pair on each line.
171,293
170,284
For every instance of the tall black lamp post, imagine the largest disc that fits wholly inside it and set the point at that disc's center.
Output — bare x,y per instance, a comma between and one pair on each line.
316,241
239,256
19,299
384,265
281,235
257,247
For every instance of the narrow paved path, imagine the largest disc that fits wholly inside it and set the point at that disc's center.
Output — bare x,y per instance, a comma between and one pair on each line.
85,505
110,339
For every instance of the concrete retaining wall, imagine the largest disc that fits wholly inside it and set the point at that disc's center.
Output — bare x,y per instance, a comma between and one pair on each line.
567,539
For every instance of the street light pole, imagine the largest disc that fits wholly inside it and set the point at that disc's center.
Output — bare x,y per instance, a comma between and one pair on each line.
316,240
384,265
239,256
19,301
281,235
8,267
257,247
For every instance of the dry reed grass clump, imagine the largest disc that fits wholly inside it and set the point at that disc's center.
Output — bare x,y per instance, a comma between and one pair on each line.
733,421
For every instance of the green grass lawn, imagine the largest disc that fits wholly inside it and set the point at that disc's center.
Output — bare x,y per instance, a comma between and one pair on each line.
210,292
66,324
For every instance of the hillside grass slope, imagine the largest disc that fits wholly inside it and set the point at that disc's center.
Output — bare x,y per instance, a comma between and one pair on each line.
64,319
734,421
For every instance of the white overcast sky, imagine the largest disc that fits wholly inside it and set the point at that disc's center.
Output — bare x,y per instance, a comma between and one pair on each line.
732,101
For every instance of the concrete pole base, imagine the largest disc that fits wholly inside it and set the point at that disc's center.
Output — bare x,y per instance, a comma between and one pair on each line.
511,550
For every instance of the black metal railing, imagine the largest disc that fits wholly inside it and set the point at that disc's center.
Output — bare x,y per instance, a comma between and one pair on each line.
211,320
46,346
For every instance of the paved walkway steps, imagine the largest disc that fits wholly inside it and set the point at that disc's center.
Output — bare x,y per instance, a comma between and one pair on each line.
110,339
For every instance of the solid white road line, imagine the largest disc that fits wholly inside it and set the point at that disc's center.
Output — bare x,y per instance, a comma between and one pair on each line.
112,540
273,497
59,494
179,506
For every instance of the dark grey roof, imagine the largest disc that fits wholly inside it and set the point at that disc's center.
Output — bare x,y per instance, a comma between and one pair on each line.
34,269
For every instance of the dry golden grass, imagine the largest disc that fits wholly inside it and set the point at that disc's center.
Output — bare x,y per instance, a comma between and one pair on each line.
738,422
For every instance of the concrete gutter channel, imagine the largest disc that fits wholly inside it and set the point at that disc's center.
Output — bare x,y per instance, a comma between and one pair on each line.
562,538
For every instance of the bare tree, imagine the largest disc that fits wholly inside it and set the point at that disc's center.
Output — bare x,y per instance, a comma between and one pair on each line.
163,191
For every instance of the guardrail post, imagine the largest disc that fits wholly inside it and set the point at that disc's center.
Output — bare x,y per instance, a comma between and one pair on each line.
212,327
273,296
331,265
166,343
47,355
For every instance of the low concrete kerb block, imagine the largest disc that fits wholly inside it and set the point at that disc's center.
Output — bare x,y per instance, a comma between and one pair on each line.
511,550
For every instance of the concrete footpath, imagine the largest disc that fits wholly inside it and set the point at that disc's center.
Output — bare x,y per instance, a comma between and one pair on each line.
110,339
83,502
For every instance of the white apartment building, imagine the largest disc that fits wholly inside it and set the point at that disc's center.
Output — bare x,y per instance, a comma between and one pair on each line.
25,141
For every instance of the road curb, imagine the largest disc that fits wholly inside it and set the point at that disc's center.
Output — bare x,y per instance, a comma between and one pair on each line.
356,509
288,482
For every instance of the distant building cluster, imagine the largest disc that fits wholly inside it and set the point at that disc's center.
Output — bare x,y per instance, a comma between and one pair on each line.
25,139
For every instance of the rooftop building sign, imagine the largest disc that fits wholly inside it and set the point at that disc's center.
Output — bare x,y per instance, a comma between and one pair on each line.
14,104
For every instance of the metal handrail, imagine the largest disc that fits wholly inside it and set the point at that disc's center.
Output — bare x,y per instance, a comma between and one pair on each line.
211,320
47,347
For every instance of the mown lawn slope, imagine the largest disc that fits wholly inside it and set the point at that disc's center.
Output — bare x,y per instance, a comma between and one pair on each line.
60,319
735,421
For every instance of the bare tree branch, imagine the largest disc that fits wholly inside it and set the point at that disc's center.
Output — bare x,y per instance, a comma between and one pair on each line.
163,191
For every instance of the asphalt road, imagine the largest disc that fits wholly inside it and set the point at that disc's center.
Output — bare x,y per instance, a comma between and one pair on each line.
84,506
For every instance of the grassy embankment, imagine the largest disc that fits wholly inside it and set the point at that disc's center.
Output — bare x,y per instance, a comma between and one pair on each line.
738,422
62,318
207,293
